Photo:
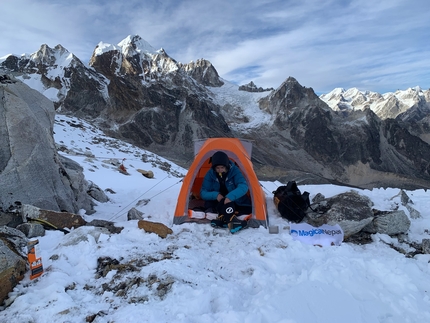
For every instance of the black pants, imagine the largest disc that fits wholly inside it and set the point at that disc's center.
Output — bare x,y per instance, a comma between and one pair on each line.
240,209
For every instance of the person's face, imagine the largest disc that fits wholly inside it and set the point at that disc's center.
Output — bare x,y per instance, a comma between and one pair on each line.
220,169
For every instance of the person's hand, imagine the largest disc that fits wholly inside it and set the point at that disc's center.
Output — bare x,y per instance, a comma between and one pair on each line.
219,197
227,200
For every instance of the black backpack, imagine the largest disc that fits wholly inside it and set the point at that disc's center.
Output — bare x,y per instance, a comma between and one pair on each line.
290,202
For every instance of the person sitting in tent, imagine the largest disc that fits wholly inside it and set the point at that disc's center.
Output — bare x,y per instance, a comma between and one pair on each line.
224,190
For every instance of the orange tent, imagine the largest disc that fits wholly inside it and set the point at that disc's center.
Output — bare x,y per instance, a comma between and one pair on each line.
239,151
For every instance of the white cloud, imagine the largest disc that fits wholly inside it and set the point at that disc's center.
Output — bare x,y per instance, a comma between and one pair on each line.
325,45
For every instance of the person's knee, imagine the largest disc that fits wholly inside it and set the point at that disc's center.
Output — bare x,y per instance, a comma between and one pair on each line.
227,209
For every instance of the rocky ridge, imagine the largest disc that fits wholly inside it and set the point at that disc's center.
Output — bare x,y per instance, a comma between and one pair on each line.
251,87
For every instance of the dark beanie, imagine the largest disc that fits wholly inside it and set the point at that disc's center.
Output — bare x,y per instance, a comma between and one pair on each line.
220,158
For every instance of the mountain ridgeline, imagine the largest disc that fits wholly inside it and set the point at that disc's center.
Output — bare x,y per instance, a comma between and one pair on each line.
145,97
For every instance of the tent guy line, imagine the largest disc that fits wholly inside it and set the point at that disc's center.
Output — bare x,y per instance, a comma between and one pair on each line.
122,211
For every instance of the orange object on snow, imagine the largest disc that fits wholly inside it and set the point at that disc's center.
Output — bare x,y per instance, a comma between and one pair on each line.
122,168
36,267
239,151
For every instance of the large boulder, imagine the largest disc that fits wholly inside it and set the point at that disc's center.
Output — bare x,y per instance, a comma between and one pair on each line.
13,259
31,171
354,213
58,220
390,223
350,210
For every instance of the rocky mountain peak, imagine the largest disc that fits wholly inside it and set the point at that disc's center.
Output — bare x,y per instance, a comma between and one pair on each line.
411,93
52,63
251,87
53,57
203,72
133,44
291,95
46,51
132,56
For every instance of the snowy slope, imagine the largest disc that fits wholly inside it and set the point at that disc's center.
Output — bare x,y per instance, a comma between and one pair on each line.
201,274
240,108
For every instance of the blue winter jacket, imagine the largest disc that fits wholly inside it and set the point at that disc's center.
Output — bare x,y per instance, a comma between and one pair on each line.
235,183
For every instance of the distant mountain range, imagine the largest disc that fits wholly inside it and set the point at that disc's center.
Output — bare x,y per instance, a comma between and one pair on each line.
388,105
147,98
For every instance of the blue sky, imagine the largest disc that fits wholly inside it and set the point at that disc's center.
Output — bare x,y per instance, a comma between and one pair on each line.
372,45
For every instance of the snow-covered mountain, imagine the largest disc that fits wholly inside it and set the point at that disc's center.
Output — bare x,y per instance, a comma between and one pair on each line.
387,105
144,96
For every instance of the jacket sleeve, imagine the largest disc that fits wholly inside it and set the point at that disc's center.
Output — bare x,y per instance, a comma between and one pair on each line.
240,184
208,191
